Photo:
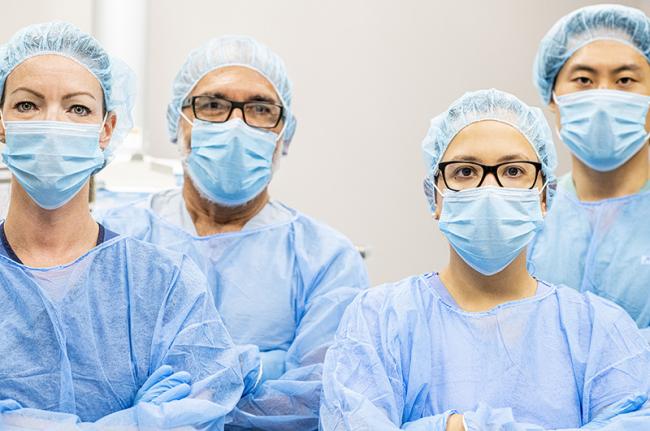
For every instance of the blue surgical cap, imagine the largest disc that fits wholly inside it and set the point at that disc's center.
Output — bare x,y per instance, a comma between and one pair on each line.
61,38
231,51
489,105
581,27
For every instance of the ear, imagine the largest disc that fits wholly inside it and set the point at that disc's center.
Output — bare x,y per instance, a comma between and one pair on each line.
107,130
438,200
543,202
278,153
3,133
184,135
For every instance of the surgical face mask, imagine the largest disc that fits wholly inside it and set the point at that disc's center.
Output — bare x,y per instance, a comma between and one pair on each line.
603,128
230,162
489,226
52,160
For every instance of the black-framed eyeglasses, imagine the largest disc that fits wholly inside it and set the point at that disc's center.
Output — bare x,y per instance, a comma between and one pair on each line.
458,175
264,115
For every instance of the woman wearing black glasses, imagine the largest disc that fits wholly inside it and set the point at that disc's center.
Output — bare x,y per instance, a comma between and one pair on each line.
482,345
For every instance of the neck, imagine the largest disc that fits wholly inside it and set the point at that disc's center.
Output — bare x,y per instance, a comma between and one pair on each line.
43,238
475,292
210,218
628,179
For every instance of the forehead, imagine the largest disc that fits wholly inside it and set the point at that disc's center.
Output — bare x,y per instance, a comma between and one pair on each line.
490,140
605,54
235,82
52,72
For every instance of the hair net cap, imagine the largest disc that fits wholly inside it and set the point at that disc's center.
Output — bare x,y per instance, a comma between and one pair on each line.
115,77
581,27
231,51
489,105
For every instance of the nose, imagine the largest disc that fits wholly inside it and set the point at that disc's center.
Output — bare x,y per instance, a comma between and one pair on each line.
604,84
54,113
237,113
490,180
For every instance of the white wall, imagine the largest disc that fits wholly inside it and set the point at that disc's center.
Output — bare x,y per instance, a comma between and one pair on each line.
18,13
368,76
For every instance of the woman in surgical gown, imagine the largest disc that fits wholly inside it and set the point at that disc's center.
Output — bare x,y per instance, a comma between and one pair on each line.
97,329
482,345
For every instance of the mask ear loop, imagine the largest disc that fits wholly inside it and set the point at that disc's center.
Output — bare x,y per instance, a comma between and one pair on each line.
103,123
101,131
438,190
4,126
181,145
191,123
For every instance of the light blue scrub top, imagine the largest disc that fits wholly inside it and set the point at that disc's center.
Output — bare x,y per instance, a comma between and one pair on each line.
406,357
79,340
282,283
601,247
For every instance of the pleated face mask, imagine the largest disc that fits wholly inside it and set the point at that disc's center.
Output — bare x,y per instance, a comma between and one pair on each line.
603,128
489,226
52,160
231,162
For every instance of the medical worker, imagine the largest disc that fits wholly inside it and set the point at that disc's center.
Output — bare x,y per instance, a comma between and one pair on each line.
280,279
482,345
92,323
592,70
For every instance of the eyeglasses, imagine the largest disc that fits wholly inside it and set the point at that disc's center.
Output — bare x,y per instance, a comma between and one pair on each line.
468,175
213,109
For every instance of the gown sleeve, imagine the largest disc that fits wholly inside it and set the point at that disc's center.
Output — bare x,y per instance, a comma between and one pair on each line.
332,273
189,336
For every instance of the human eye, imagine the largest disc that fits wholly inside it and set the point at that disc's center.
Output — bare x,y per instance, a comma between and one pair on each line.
464,171
514,171
582,80
24,106
260,109
80,110
625,81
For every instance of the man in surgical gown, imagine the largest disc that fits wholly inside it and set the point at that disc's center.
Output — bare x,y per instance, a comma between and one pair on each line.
593,70
482,345
280,279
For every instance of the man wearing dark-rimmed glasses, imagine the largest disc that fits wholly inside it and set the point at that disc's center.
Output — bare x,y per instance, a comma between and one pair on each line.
280,279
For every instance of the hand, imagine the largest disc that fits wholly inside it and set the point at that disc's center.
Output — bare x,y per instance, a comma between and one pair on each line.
273,363
9,405
455,423
164,385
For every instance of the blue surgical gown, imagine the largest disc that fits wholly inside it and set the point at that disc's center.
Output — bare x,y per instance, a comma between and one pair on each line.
601,247
79,340
406,357
282,284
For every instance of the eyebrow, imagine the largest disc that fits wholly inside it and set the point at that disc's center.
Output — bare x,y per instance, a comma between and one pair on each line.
254,98
506,158
78,93
582,68
464,158
624,68
35,93
66,97
518,156
627,68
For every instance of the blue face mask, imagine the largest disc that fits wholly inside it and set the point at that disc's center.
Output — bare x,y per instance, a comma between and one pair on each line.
231,162
603,128
489,226
52,160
